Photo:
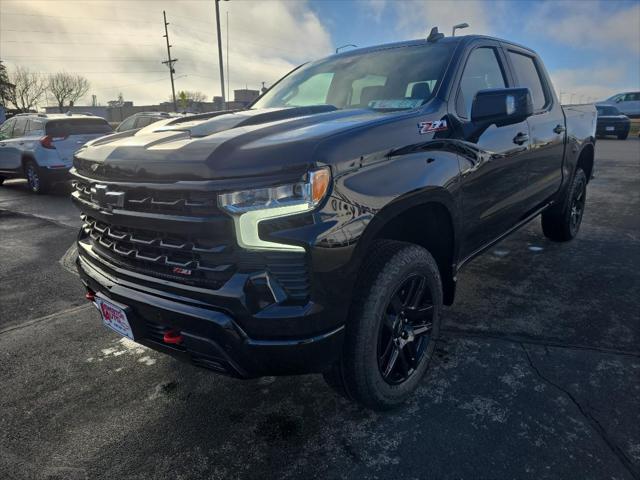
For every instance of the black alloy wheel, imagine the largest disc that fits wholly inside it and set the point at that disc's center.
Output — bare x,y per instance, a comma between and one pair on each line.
405,332
577,206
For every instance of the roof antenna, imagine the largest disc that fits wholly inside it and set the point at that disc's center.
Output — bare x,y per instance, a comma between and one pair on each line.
458,26
434,36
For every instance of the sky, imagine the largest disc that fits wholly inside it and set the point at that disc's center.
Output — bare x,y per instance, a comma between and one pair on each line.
591,48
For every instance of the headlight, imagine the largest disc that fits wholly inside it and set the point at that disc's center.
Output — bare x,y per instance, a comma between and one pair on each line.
250,207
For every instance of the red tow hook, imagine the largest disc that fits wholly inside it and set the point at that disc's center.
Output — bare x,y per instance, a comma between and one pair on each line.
173,337
90,295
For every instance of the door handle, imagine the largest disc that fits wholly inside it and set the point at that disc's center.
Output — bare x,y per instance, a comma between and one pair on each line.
521,138
559,129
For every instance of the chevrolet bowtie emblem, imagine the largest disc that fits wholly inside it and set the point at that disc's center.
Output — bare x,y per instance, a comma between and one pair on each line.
105,198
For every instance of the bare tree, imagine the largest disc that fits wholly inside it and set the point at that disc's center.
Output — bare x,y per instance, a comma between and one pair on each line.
27,89
67,89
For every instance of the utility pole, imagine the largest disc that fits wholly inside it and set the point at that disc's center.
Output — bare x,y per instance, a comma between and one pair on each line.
224,100
169,62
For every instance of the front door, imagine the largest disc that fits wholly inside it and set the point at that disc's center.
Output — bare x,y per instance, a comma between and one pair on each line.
493,161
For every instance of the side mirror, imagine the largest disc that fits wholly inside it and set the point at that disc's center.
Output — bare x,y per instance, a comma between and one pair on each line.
502,106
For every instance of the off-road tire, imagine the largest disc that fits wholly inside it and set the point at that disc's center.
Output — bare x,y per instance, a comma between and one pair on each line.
562,223
357,375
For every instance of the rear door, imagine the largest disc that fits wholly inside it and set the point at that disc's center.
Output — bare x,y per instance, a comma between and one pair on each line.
546,126
69,134
493,167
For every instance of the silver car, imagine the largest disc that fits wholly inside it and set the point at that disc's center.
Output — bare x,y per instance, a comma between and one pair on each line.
40,146
628,103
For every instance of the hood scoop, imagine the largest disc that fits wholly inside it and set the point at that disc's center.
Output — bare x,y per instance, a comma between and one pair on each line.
243,118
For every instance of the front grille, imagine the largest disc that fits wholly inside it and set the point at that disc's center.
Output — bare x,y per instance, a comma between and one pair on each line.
203,257
139,199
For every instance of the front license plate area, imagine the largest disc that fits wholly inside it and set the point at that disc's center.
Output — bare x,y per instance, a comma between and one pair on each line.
610,129
114,317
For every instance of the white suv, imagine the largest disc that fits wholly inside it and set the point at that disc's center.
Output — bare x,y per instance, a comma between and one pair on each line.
40,147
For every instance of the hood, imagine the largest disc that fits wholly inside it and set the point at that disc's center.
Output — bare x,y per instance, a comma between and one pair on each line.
223,145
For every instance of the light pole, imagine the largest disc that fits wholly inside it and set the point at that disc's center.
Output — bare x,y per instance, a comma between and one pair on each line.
224,100
457,27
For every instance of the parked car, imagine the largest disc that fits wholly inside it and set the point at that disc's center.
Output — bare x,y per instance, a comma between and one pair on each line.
612,122
628,103
40,146
324,228
142,119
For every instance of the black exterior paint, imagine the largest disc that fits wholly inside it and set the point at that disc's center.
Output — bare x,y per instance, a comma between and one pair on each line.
382,167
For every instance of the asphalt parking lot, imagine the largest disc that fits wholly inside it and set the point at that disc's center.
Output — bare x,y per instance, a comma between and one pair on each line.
537,374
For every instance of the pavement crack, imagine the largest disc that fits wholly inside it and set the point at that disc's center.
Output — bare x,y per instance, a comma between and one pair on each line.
593,422
28,323
529,340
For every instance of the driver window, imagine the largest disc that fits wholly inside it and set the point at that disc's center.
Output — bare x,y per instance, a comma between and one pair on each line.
313,91
481,72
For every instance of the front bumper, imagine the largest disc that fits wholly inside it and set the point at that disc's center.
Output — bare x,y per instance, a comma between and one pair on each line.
212,338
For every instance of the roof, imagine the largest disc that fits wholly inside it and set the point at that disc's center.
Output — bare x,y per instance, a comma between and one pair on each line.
59,116
423,41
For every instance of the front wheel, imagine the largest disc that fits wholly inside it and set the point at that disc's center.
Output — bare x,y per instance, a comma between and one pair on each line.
562,224
393,327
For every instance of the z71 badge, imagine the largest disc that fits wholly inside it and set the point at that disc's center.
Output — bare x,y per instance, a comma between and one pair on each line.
434,126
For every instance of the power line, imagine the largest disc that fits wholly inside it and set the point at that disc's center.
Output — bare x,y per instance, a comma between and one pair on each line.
77,18
82,43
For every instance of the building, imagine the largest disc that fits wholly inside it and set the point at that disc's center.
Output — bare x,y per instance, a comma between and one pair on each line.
118,110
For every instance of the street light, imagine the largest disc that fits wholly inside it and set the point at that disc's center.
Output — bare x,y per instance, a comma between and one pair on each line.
345,46
457,27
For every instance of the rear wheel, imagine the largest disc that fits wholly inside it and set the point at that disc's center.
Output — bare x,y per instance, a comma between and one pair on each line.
394,324
562,223
35,180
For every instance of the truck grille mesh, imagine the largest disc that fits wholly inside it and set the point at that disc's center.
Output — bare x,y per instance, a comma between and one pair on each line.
207,260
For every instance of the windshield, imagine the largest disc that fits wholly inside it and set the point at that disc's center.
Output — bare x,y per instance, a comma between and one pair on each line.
392,79
77,126
611,111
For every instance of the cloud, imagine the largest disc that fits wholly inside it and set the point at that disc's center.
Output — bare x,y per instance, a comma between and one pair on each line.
589,84
589,25
119,45
418,17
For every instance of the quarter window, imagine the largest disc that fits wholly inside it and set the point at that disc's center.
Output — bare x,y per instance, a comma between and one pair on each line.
482,72
529,77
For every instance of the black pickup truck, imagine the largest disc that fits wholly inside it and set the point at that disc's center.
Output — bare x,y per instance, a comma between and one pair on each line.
322,229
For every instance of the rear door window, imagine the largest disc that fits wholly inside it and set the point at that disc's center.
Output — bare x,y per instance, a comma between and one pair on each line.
35,127
77,126
528,76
